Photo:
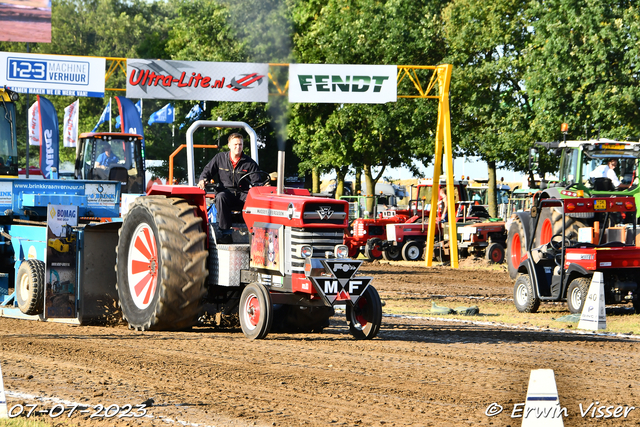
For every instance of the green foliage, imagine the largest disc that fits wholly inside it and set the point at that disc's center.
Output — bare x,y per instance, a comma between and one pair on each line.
582,68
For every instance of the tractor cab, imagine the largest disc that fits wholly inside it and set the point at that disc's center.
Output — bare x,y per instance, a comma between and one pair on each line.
113,157
8,145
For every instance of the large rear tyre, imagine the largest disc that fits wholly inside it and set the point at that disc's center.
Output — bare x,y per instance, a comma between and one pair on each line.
161,264
392,253
577,294
515,248
495,253
365,317
524,296
412,251
372,250
256,311
30,289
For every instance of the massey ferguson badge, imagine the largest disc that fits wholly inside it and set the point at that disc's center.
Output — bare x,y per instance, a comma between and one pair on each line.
209,81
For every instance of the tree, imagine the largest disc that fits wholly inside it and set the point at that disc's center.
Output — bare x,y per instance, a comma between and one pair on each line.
491,107
582,68
366,32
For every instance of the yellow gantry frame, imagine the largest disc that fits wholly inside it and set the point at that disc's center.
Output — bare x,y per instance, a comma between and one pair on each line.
440,74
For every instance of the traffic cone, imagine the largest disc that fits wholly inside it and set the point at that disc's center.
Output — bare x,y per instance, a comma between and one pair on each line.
594,316
542,407
3,399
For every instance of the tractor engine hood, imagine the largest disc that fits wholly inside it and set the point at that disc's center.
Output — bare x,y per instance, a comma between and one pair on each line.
295,208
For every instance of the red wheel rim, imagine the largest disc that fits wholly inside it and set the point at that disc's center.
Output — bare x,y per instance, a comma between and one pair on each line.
516,247
496,255
362,303
546,231
252,310
143,266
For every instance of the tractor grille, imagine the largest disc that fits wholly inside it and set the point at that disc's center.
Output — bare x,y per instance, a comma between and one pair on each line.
324,213
321,240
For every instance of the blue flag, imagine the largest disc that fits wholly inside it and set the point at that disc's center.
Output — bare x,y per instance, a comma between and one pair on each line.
194,114
163,115
105,117
138,107
131,122
49,137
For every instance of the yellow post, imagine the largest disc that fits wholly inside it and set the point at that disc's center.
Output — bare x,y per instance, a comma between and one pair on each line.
443,144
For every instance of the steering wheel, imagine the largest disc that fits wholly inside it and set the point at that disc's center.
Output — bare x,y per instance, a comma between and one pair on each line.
263,178
557,245
570,186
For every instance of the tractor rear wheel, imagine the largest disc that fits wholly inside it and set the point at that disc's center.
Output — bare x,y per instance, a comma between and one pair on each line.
255,311
161,264
392,253
577,294
495,253
412,251
365,317
30,289
515,248
524,296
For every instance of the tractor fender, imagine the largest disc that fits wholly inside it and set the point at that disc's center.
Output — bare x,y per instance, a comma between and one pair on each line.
525,220
528,267
574,271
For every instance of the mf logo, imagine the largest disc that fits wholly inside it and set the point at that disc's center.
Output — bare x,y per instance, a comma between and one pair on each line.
245,82
325,212
342,286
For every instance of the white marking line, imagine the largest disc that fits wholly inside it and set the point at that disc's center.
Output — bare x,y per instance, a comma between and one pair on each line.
18,395
529,328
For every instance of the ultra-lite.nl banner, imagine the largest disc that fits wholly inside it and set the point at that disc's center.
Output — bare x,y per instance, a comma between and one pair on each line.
53,74
343,84
198,81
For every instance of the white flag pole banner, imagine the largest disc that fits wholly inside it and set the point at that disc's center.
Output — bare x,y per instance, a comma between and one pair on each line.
70,125
343,84
53,74
34,125
197,81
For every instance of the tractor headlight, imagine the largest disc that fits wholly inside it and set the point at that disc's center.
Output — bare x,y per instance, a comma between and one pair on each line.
305,251
341,251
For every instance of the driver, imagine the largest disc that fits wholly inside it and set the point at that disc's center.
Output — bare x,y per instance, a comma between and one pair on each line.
104,161
607,170
230,168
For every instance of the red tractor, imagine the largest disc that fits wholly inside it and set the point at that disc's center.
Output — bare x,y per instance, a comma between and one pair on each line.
561,269
286,268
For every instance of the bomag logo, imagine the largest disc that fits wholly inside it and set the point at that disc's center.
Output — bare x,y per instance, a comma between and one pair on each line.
353,84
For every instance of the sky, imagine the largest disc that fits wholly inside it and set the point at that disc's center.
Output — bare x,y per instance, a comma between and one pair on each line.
471,167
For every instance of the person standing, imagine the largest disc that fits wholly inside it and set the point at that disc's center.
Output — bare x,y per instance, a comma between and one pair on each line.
229,167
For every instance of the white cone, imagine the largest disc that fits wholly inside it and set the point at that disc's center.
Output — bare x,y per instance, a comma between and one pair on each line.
594,316
542,407
3,399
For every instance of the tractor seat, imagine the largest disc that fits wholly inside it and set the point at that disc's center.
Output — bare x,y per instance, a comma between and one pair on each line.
601,184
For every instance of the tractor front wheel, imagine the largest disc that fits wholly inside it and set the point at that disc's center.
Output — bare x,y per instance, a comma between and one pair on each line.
495,253
412,251
372,250
365,317
524,296
577,294
392,253
161,264
256,311
30,289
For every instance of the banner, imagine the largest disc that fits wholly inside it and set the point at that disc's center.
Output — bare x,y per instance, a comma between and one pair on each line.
34,125
53,74
131,122
163,115
189,80
105,117
193,115
70,125
50,138
343,84
138,107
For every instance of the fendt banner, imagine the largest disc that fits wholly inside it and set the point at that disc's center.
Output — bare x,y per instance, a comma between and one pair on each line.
53,74
197,81
343,84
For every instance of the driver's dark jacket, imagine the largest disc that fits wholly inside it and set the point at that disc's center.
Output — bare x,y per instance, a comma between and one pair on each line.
228,176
